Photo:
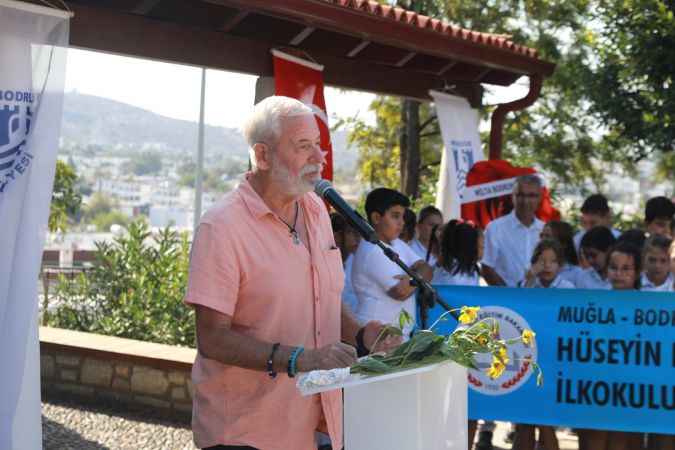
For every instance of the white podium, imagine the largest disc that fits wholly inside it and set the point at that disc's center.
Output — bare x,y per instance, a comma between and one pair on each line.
418,409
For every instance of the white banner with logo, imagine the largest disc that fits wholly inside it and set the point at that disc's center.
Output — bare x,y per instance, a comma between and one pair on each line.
461,149
33,45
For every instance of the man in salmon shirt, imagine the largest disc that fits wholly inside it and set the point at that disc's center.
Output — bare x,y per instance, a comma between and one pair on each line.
265,281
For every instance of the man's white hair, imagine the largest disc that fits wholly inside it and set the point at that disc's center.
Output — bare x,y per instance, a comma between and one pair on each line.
264,124
531,179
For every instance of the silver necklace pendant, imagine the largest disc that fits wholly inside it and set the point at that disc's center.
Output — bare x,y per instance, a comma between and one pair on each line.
296,238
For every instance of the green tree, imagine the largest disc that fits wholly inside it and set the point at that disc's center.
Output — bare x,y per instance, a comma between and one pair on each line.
665,169
212,177
567,132
188,174
145,163
97,205
66,201
104,221
630,73
379,147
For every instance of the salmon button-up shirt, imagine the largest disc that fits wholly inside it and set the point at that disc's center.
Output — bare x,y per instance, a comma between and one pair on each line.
245,264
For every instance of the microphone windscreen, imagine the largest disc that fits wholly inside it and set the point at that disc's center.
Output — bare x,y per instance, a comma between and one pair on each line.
321,186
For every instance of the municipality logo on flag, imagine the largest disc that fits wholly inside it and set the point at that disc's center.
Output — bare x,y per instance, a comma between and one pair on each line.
16,116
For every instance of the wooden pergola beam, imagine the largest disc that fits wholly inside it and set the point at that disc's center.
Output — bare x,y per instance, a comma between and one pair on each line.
325,15
99,29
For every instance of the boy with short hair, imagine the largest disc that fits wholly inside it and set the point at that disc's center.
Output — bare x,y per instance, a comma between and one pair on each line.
656,265
595,245
381,286
595,212
659,212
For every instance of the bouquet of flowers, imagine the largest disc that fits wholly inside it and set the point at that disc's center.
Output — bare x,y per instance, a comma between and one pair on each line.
427,347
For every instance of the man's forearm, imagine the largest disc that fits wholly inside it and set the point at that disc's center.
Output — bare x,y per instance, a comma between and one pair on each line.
350,326
236,349
216,340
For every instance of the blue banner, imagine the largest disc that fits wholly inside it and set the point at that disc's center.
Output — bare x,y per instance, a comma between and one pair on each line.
608,357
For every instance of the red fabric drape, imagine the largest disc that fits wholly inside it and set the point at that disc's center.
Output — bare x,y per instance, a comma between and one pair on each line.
484,211
296,78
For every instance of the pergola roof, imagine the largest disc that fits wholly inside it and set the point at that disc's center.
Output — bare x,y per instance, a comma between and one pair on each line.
362,44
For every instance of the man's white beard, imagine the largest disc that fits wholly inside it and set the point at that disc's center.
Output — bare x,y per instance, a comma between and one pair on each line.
294,186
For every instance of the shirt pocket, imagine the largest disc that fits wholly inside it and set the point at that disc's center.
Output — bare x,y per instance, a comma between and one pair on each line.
336,275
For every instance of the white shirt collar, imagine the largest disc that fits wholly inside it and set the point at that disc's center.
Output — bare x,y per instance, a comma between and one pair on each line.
646,283
554,284
517,223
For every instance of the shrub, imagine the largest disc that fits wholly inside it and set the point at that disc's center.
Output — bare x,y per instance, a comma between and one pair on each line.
135,290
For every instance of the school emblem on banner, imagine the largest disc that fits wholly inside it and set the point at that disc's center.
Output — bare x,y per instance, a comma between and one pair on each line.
463,154
16,115
518,369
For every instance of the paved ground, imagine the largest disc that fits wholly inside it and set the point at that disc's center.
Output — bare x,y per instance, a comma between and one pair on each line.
72,426
566,439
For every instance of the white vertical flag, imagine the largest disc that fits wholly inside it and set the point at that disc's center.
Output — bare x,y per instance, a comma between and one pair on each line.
461,149
33,44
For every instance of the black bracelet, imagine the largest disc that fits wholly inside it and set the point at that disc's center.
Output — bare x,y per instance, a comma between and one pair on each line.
361,349
270,361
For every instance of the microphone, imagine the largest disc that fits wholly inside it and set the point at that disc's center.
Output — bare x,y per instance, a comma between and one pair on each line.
325,190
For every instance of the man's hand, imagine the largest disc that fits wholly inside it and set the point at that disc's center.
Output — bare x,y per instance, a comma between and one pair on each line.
401,290
423,269
372,330
328,357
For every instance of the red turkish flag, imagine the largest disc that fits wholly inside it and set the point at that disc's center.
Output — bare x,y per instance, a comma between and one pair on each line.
298,78
484,211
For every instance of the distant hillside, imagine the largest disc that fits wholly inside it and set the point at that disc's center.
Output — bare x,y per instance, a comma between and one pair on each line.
95,120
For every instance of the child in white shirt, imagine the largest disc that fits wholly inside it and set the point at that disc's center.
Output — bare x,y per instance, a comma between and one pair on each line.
461,247
381,286
547,259
564,234
595,245
656,261
623,273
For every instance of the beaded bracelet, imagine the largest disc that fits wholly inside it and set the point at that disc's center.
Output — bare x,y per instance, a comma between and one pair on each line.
270,361
292,369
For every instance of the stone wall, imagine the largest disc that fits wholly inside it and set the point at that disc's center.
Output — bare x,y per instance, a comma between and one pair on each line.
96,374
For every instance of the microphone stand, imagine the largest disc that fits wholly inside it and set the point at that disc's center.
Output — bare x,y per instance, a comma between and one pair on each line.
427,296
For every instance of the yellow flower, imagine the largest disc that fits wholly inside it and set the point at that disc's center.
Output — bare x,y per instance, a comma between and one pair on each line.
502,355
528,337
468,314
496,369
482,340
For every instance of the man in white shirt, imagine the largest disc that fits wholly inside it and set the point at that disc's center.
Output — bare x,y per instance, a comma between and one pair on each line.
429,218
511,239
381,286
